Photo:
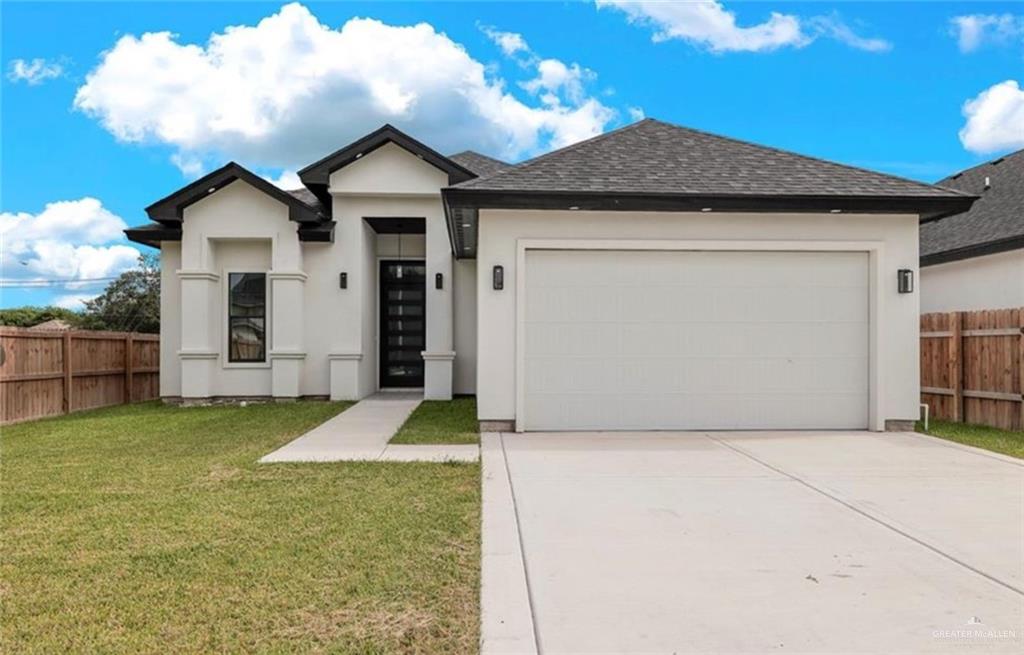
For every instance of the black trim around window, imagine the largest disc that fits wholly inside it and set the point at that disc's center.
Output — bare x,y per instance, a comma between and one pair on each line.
247,318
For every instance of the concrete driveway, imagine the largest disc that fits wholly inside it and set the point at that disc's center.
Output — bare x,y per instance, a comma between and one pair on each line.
750,542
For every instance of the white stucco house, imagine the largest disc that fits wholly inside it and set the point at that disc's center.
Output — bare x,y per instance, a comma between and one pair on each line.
975,259
654,277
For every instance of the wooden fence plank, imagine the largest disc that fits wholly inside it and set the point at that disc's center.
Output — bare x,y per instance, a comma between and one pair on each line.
46,373
972,366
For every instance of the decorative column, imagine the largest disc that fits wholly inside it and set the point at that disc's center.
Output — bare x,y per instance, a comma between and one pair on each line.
199,353
287,298
439,356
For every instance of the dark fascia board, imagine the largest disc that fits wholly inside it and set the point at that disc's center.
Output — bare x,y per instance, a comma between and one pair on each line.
976,250
317,175
928,208
170,210
153,234
318,233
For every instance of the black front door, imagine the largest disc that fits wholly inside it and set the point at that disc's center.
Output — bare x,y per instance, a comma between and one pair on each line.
403,325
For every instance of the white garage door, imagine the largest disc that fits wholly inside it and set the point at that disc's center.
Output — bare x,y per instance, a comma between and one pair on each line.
683,340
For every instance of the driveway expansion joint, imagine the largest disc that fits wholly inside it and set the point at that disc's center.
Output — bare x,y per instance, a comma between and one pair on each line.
522,546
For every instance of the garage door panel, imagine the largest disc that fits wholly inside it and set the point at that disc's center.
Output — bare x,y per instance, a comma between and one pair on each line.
695,340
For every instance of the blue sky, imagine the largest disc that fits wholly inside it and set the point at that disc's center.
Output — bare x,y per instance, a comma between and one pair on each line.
102,114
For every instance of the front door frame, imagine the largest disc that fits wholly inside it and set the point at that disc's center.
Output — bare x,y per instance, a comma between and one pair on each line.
382,346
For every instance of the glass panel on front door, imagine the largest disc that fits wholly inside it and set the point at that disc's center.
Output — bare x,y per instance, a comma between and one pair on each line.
402,326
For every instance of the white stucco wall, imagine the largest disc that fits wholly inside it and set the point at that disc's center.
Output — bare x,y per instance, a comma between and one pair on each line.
170,319
894,377
389,170
989,282
321,340
464,373
389,182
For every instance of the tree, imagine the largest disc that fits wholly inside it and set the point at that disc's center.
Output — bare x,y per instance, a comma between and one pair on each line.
30,316
131,303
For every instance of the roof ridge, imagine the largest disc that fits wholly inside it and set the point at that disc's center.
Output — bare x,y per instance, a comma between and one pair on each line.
478,154
569,148
812,158
989,162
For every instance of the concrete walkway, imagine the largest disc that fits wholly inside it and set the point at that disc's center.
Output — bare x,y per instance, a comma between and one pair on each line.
361,433
749,543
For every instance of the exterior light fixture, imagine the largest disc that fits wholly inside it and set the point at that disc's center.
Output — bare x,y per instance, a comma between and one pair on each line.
905,280
498,278
834,211
705,209
574,207
439,281
343,280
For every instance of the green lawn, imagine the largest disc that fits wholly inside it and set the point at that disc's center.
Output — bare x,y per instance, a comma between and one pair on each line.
441,421
994,439
151,529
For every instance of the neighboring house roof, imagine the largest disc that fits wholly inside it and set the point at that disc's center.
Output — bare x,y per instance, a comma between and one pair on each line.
655,166
167,212
995,223
316,176
56,324
479,164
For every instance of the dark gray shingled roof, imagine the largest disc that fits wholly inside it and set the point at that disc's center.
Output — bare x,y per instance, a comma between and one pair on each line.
480,165
995,222
654,157
308,197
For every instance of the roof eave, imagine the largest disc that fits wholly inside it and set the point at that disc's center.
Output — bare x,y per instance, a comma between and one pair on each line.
170,209
152,235
929,208
926,208
974,250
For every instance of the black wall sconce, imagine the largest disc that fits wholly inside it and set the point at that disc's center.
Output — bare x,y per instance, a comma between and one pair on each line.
439,281
905,280
498,278
343,280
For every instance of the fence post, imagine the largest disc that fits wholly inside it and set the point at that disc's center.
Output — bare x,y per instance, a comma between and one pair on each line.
67,372
128,367
1020,366
956,356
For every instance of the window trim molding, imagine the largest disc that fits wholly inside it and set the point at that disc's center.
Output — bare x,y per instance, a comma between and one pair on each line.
226,321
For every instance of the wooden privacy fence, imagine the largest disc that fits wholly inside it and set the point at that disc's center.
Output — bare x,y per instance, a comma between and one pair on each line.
972,366
45,373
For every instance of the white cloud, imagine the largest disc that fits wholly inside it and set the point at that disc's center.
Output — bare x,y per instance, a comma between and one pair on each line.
555,77
974,30
710,25
287,180
995,119
189,165
68,240
73,301
510,42
635,113
833,27
33,72
284,92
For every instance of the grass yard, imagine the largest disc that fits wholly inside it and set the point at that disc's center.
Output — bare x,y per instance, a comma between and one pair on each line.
994,439
151,529
441,422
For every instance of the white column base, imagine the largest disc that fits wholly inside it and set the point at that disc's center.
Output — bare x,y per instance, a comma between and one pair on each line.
285,374
437,375
345,375
197,369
